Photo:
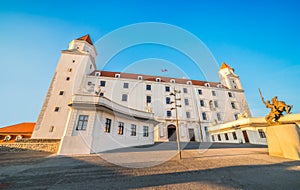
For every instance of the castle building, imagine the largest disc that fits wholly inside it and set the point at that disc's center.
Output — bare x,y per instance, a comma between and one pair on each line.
93,110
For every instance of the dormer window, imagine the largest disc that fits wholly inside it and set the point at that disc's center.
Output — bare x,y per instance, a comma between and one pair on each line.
97,74
172,81
189,82
117,75
158,80
207,84
140,78
219,85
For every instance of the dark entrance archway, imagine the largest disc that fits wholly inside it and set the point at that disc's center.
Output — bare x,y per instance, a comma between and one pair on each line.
172,133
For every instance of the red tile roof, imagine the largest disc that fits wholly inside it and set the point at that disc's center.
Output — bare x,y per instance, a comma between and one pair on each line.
224,66
86,38
19,128
153,78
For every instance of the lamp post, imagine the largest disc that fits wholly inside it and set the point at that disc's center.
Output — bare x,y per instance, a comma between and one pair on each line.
177,126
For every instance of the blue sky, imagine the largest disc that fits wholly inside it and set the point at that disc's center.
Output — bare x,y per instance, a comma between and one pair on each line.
260,39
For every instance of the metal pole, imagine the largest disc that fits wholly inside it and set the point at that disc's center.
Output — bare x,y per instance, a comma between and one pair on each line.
177,129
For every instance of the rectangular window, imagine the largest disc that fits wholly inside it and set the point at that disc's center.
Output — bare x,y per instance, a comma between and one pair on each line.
188,114
145,131
213,138
226,136
102,83
89,83
186,101
219,137
148,87
234,135
167,89
125,85
216,104
82,122
204,117
261,133
213,93
233,105
202,103
199,91
124,97
133,130
236,116
107,125
61,93
169,113
121,128
184,90
230,94
168,100
219,117
148,99
56,109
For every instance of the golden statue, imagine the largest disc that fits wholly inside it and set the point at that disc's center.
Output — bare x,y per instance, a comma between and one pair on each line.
277,108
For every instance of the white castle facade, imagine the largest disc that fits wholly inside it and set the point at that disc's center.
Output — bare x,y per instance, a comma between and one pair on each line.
93,111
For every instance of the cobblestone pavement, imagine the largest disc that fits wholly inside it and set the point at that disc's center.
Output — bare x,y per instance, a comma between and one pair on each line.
220,167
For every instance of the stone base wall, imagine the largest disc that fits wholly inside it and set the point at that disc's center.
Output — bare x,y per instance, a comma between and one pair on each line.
31,145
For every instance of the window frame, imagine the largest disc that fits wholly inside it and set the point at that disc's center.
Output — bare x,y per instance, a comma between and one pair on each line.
145,131
107,125
82,122
133,130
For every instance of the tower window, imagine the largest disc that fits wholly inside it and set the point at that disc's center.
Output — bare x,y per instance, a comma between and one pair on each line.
124,97
219,117
56,109
51,129
261,133
230,95
216,104
102,83
213,93
168,100
82,122
233,105
185,90
204,116
61,93
169,113
188,114
148,87
107,125
199,91
70,70
202,103
234,135
121,128
68,78
186,101
226,136
148,99
73,61
133,130
236,116
167,89
125,85
145,131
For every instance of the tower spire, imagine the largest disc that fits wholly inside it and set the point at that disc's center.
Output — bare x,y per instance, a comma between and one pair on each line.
86,38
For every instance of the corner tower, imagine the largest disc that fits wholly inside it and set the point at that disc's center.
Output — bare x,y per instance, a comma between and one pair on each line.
74,64
228,78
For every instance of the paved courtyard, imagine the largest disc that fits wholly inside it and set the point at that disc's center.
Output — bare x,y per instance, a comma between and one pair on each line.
217,166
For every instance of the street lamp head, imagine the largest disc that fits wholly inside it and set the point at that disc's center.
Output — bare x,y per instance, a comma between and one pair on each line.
172,108
172,94
172,102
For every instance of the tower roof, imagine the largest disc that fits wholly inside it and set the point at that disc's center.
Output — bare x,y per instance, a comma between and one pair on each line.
86,38
224,66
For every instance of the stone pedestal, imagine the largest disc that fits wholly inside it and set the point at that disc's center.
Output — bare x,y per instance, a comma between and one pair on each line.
284,141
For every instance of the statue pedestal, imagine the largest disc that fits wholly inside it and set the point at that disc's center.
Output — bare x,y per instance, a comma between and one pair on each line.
284,141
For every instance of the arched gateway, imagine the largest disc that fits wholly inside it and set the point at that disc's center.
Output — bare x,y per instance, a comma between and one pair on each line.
172,132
